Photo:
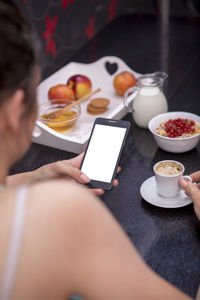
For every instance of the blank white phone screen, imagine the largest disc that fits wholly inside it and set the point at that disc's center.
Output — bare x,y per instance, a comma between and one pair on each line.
103,152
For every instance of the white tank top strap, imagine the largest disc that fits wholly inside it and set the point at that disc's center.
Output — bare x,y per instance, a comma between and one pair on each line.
14,245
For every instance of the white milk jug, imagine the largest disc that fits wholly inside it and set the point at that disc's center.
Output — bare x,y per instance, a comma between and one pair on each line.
148,98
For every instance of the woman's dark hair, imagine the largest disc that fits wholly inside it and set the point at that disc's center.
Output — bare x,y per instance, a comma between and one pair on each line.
17,57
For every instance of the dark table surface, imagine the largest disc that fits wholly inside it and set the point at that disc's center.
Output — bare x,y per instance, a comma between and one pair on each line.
168,239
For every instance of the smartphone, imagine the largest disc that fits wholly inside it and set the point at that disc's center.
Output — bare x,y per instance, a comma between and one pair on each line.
103,151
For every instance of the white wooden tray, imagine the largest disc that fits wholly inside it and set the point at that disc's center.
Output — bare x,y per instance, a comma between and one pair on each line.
101,73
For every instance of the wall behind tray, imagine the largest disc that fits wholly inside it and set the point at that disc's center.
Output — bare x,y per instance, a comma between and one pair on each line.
62,27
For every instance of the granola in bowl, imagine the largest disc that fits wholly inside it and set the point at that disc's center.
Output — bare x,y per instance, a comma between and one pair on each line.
178,128
176,131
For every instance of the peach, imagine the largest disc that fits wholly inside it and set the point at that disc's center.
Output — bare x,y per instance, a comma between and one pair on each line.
123,81
80,84
62,93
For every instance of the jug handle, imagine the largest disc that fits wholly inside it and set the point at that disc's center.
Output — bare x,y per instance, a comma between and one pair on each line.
160,74
133,90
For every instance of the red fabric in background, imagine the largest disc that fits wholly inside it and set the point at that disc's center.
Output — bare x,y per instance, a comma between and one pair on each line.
112,9
65,3
48,34
64,26
88,16
89,31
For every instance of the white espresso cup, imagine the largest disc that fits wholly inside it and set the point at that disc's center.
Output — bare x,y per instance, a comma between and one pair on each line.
167,174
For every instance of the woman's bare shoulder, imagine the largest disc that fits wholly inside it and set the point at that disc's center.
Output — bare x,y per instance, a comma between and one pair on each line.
59,189
59,196
55,213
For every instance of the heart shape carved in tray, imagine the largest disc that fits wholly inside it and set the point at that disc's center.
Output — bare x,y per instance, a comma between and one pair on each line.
111,67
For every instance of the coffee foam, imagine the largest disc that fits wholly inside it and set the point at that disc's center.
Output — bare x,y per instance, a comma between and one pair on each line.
169,168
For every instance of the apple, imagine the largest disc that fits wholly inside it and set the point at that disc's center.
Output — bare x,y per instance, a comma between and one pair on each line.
123,81
62,93
81,85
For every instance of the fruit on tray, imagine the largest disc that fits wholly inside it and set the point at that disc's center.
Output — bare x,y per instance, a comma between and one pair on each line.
98,106
80,84
123,81
62,93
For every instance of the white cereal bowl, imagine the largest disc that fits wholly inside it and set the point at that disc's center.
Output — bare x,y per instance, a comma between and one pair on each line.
174,145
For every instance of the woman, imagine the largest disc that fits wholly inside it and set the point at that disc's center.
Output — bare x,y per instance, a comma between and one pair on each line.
56,237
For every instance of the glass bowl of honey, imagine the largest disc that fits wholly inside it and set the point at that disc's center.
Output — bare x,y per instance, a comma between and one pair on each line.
65,121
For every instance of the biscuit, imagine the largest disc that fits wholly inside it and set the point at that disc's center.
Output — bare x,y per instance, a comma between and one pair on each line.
95,111
98,106
99,102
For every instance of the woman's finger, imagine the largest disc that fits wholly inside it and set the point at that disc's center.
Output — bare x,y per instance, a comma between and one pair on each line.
62,169
195,176
115,182
118,170
76,161
192,190
98,192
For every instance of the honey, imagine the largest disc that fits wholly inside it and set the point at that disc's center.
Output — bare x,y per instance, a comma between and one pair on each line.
63,123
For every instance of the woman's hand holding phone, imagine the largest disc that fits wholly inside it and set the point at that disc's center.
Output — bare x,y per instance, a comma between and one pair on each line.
100,160
76,163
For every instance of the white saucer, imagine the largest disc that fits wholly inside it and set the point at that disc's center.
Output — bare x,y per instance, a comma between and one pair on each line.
149,193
